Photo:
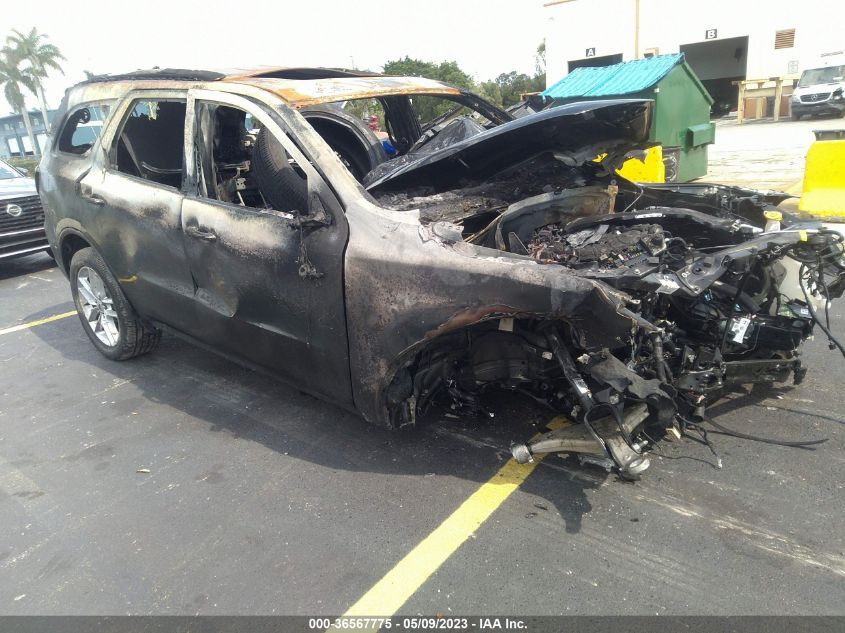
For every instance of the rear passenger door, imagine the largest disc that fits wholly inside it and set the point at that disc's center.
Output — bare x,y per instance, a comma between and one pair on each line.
269,279
133,196
73,149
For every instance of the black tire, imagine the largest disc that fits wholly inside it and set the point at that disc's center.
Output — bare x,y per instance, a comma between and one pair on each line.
278,181
352,154
795,117
353,141
133,337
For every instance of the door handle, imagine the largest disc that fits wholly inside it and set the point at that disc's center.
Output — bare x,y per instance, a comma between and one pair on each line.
207,235
87,194
93,198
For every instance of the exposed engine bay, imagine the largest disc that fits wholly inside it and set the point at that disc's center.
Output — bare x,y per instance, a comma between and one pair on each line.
717,301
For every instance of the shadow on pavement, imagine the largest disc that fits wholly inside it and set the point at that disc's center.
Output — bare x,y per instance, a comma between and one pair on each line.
249,405
25,265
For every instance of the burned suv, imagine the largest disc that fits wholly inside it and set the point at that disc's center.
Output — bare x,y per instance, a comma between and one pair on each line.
458,252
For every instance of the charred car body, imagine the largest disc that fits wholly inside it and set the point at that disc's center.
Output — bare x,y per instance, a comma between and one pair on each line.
254,213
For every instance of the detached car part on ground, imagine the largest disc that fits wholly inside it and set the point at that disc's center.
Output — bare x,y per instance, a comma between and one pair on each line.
490,253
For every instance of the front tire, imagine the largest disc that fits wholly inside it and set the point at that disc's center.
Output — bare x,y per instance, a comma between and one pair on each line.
107,318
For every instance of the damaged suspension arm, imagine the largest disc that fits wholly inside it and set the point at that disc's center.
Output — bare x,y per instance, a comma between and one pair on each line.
606,440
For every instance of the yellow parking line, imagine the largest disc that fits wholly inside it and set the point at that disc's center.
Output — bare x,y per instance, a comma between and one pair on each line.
26,326
388,595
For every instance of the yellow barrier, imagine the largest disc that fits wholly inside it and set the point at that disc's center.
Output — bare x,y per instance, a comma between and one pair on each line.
824,179
649,169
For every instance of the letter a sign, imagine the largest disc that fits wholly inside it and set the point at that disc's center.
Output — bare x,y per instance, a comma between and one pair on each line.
591,52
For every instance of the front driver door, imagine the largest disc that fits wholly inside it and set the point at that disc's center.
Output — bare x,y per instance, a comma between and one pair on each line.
269,287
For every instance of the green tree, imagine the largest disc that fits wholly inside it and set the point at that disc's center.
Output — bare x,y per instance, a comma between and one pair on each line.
15,78
513,85
365,108
540,60
491,91
41,55
505,90
448,72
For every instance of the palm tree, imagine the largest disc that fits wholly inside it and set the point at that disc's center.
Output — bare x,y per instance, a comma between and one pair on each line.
41,55
13,78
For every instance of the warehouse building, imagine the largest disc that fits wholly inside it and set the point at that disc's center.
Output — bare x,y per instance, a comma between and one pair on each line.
14,140
725,42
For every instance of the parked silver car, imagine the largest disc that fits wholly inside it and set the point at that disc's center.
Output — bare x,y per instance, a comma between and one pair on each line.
21,215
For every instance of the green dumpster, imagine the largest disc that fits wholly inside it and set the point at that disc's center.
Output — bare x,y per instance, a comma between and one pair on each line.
681,110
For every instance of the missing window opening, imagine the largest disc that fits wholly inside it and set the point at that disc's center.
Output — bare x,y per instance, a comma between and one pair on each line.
150,143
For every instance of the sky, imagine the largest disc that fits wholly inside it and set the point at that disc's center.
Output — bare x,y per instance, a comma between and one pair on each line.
486,38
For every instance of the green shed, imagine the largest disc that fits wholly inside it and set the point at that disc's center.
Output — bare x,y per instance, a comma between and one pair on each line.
682,105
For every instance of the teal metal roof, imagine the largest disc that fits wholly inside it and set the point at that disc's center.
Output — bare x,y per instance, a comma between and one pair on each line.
619,79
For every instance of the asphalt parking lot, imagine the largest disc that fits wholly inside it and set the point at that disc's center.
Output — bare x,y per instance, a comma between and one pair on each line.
764,154
261,500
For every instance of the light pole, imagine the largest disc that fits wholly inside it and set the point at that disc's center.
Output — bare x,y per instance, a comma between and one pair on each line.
636,29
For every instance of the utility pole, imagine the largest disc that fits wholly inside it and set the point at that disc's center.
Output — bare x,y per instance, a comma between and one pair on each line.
636,29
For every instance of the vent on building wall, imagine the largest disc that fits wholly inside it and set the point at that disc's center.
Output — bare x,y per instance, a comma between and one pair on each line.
785,38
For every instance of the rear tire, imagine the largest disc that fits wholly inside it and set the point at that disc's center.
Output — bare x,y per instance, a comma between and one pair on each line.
107,317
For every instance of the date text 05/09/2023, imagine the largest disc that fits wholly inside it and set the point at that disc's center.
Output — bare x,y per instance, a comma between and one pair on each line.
438,623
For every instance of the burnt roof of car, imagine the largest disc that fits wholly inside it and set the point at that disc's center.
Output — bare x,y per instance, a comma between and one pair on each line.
299,86
268,72
173,74
303,73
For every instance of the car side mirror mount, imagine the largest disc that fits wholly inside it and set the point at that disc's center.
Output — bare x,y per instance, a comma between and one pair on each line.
317,215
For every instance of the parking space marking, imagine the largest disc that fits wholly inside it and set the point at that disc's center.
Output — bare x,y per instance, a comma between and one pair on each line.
388,595
26,326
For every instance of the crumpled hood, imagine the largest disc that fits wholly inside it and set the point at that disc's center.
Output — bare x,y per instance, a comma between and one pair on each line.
579,131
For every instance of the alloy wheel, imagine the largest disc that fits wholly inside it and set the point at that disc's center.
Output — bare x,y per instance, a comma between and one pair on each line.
97,306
